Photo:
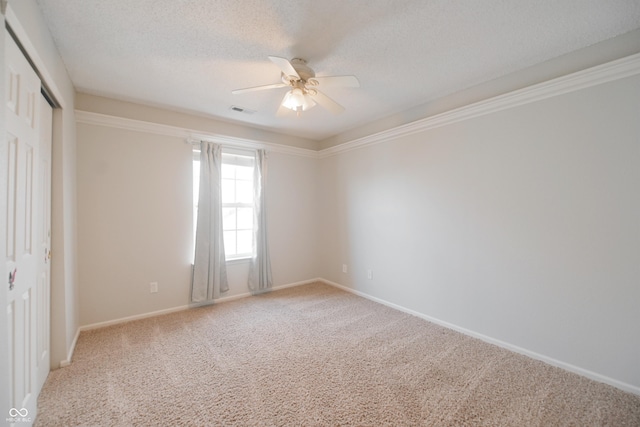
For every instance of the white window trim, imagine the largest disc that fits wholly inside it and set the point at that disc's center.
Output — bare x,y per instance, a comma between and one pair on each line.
238,157
240,160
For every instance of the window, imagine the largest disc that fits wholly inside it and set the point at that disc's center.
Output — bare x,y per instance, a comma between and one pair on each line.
237,205
237,201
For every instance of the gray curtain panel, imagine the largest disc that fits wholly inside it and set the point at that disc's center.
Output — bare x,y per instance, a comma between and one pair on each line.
260,279
209,269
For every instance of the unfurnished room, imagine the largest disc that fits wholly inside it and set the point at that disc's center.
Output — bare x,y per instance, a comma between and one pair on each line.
320,213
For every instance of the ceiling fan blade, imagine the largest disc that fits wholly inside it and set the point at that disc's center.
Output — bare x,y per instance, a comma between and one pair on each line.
285,66
337,81
326,102
255,88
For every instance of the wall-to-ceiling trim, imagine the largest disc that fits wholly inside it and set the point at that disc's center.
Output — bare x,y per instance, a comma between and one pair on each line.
99,119
600,74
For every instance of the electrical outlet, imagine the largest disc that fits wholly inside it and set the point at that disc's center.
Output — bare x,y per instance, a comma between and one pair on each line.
369,274
153,287
344,268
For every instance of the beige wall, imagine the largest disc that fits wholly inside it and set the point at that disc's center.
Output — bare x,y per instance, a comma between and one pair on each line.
135,215
519,226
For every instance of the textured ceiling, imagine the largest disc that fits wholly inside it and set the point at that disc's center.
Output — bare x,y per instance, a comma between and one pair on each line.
189,55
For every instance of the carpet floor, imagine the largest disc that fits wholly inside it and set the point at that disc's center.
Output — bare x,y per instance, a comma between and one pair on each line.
313,355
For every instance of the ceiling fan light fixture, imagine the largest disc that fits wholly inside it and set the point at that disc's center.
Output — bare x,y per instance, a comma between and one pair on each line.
297,100
303,82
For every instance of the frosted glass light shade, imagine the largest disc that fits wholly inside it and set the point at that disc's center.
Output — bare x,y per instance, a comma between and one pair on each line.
296,100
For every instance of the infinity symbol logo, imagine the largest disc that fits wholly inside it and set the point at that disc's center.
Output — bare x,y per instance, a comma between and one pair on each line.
13,412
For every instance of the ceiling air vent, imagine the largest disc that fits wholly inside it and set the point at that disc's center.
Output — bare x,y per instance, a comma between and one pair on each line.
241,110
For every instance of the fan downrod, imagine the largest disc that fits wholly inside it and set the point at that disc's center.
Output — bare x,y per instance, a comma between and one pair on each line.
304,71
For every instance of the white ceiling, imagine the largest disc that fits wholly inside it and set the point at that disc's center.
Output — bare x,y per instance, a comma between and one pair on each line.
188,55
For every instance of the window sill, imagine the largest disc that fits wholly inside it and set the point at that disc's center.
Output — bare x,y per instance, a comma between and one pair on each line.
232,261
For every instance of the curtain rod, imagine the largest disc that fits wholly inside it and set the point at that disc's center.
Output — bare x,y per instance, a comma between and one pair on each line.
232,149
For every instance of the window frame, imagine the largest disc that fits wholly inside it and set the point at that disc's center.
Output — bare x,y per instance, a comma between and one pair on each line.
247,159
238,157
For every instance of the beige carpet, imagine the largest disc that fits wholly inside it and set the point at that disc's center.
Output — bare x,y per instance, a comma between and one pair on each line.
313,356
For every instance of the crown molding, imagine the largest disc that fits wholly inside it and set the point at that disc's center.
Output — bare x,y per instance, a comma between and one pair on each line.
597,75
190,135
594,76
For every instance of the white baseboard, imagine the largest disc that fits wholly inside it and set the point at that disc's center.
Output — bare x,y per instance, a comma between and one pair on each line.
549,360
275,288
178,308
99,325
67,361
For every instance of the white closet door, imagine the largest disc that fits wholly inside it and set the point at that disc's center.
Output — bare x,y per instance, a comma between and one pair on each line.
22,252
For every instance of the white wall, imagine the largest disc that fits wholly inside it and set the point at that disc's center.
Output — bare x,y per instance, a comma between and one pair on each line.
27,22
520,225
135,215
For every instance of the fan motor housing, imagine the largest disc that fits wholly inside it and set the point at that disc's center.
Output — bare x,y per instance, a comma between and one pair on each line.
304,71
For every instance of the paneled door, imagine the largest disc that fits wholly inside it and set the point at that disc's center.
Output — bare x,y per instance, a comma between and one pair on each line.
27,311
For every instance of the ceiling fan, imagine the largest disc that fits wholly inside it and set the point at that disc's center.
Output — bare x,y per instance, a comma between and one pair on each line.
304,93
